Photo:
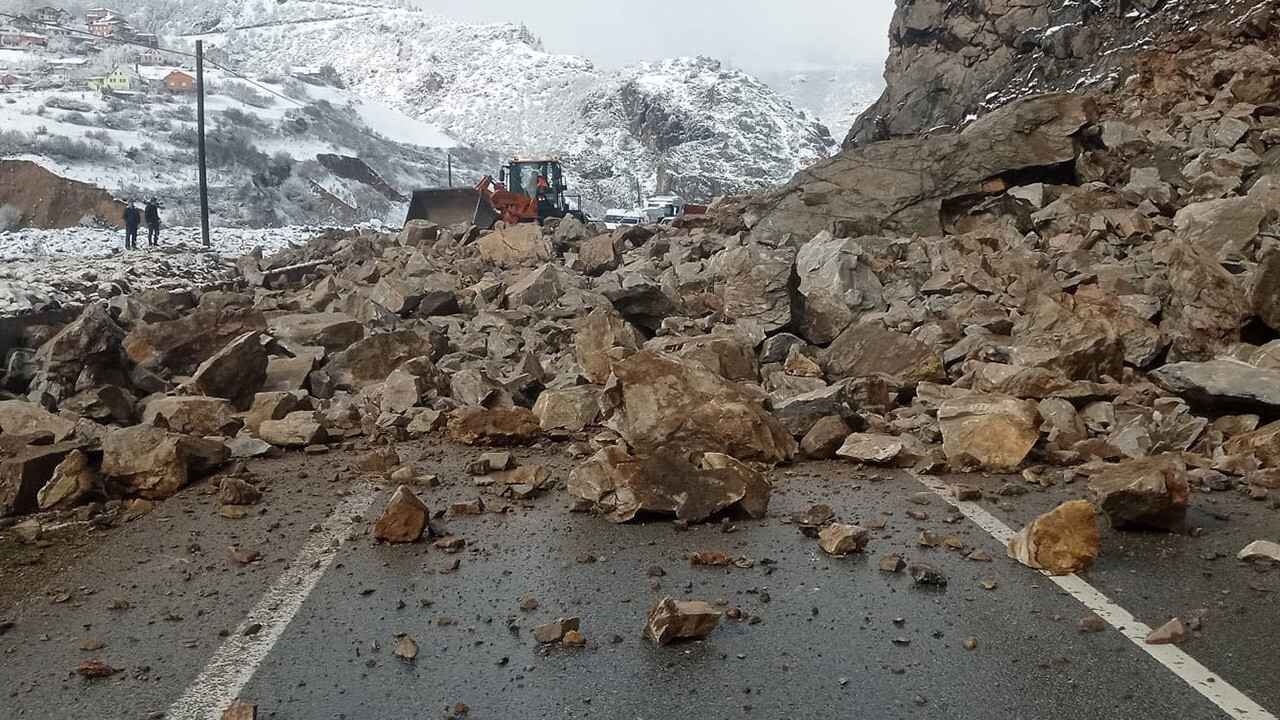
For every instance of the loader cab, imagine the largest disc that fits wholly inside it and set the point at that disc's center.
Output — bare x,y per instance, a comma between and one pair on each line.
521,176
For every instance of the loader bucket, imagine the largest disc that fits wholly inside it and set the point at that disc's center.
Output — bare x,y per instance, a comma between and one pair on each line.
450,206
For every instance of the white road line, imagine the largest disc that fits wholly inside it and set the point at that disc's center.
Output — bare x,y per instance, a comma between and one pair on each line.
235,662
1218,691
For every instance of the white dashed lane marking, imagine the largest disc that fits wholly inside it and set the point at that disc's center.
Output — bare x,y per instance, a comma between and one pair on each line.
235,662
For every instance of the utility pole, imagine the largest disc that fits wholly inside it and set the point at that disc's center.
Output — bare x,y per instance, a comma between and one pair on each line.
450,157
204,177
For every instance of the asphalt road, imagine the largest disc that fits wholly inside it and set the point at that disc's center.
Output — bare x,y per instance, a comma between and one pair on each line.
820,637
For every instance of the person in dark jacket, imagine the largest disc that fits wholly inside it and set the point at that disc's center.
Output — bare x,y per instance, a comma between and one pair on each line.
152,214
132,219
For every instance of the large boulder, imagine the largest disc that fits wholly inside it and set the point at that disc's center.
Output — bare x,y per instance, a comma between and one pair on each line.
1221,227
597,335
1130,316
799,413
515,244
622,486
236,372
900,185
156,464
1062,541
993,432
192,415
179,346
331,331
537,288
502,426
24,474
73,481
410,384
657,402
1206,307
1262,443
369,361
601,254
1266,288
1223,383
1144,493
869,348
726,355
836,285
19,417
571,409
297,429
669,621
91,340
753,282
1089,350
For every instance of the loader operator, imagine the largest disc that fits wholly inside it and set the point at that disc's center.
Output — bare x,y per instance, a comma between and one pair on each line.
542,195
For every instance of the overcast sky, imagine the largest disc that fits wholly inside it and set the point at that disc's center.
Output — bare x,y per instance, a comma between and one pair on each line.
755,35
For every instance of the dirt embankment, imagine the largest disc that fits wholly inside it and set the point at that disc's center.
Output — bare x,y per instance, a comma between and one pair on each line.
49,201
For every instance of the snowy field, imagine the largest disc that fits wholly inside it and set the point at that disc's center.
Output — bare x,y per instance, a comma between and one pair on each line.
41,269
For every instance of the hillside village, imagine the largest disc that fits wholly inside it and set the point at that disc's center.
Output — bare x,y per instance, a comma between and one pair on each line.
49,48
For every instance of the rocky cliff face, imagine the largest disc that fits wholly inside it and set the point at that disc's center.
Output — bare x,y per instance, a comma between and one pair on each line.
951,61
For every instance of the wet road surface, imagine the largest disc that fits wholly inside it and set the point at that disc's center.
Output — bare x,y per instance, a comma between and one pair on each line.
820,637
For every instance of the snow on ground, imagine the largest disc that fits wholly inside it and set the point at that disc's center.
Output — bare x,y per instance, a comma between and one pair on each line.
387,121
42,269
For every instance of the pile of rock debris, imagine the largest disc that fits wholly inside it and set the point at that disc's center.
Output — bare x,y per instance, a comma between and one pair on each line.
1068,287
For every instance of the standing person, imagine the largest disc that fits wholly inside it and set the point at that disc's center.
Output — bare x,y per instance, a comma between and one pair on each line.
152,215
132,219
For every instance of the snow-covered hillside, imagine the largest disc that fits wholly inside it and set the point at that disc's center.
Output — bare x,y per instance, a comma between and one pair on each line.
834,96
281,151
494,86
408,87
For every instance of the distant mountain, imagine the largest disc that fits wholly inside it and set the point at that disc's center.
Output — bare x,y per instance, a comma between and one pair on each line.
686,125
710,130
834,96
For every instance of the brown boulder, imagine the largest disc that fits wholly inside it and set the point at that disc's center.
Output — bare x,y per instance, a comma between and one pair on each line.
181,345
670,621
825,438
192,415
156,464
369,361
622,486
839,539
902,184
597,335
870,448
295,430
91,340
236,372
658,402
72,482
404,518
1062,541
331,331
1145,493
515,244
868,348
752,282
24,474
505,426
994,432
601,254
19,417
571,409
